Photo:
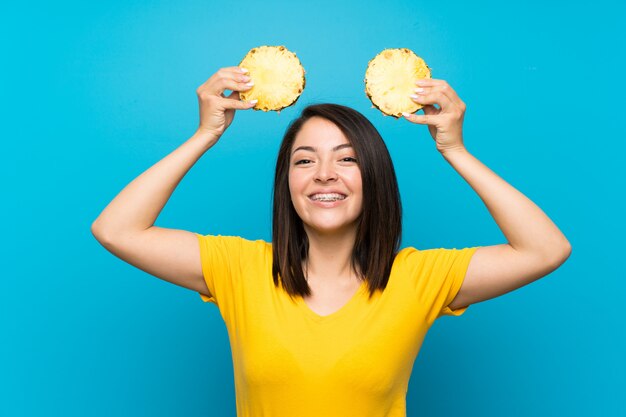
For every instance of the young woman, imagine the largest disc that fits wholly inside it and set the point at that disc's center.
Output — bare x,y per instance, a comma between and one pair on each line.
328,318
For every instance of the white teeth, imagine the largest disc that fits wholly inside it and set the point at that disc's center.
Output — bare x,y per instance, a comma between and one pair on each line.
327,197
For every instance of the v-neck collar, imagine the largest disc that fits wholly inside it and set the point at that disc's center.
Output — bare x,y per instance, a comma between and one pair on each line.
342,311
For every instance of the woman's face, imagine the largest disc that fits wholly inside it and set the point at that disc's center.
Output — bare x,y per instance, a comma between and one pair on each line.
325,179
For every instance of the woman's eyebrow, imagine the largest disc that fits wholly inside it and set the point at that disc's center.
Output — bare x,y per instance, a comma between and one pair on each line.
312,149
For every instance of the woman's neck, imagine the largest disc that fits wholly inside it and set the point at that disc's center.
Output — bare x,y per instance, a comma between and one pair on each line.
329,258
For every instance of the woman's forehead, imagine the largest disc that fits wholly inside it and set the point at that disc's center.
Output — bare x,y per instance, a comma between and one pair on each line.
319,133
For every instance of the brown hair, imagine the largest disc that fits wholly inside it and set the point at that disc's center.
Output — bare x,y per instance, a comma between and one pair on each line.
379,226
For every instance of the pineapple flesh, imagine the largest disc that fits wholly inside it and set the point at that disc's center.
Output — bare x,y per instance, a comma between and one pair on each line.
390,80
278,77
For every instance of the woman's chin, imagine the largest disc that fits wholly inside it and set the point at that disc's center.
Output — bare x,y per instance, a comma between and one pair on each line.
330,229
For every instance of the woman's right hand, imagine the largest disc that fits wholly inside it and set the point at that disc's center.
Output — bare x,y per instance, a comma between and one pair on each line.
216,110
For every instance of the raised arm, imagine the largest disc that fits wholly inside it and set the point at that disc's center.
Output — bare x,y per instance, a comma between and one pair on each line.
126,226
535,245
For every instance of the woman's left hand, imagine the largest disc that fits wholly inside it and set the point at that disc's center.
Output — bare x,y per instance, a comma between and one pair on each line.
444,123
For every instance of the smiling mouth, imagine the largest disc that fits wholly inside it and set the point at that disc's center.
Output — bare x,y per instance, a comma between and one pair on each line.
327,197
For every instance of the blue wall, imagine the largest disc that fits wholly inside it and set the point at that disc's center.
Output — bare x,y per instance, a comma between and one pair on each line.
94,94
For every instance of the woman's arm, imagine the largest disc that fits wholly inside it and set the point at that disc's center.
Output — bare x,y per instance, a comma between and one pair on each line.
525,226
126,226
535,245
138,205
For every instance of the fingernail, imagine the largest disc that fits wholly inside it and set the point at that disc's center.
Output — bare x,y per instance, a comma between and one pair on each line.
407,115
421,82
253,101
250,84
243,70
419,90
414,97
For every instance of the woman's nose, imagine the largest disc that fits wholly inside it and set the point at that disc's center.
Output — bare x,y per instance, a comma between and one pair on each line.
325,172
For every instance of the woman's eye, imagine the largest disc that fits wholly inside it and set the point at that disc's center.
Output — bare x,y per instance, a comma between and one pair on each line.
302,161
349,159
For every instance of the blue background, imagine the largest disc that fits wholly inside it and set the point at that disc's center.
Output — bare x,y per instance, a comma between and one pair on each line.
93,94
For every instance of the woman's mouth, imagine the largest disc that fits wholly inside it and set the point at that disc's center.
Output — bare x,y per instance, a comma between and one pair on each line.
327,197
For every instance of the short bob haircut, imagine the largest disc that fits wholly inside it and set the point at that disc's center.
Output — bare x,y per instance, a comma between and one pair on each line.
379,226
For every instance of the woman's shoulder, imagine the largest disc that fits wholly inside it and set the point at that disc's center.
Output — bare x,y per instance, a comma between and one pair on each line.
414,252
405,254
234,242
431,256
424,251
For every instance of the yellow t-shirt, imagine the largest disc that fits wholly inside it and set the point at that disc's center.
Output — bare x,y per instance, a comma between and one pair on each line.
291,362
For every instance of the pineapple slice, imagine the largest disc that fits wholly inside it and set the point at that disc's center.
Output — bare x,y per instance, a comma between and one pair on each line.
278,77
390,80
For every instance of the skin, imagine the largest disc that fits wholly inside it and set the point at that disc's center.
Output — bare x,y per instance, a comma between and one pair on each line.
322,159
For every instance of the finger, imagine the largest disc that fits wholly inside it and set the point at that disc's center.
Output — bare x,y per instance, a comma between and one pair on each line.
233,70
231,103
227,79
433,96
441,85
430,82
428,119
230,82
240,70
235,96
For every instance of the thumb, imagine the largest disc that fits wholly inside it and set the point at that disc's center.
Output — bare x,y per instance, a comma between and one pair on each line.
429,118
422,120
228,104
232,101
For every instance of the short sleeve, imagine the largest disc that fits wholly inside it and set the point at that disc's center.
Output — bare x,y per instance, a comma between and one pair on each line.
440,275
220,257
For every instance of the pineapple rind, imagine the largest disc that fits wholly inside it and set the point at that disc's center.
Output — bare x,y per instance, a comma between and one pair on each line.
278,77
390,80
